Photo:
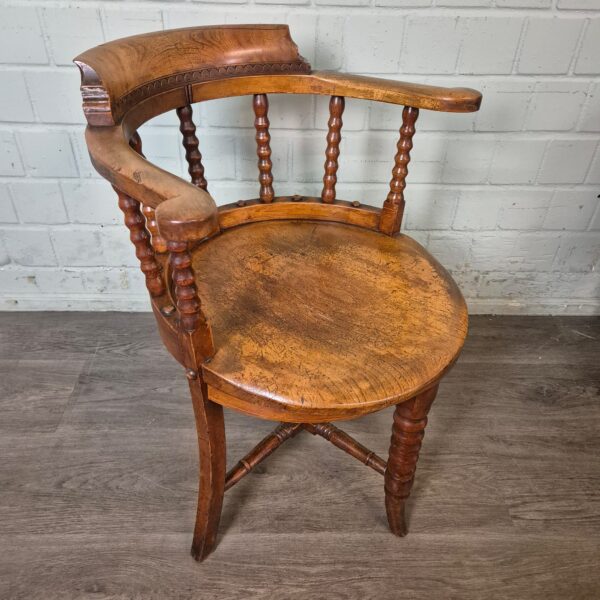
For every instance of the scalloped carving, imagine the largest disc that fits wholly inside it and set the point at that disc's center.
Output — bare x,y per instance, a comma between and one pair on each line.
207,74
119,74
97,102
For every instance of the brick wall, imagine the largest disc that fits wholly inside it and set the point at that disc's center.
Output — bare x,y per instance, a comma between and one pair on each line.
506,198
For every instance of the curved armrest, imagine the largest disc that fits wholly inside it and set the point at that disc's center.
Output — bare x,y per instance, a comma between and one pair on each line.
186,219
398,92
115,160
329,83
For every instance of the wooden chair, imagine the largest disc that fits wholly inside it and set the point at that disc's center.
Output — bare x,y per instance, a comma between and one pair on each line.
295,309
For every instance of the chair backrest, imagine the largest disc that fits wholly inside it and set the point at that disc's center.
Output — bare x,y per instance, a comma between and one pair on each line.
129,81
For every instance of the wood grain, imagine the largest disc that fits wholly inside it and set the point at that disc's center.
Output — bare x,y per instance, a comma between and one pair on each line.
260,104
140,238
393,207
313,320
410,420
117,75
261,451
332,152
348,85
298,207
188,303
295,306
210,428
191,144
348,444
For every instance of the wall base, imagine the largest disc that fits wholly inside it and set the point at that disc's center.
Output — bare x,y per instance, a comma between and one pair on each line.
141,303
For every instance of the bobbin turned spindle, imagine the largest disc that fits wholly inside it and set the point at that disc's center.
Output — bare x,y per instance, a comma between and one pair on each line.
263,147
393,207
191,144
332,153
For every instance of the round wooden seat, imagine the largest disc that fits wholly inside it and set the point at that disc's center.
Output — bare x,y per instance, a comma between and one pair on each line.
315,321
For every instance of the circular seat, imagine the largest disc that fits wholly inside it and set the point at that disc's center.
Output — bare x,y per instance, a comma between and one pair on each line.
317,320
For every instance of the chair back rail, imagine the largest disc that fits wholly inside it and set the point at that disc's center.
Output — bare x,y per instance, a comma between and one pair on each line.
129,81
119,74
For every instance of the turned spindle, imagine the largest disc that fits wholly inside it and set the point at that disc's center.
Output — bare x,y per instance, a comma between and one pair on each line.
410,420
393,207
191,143
188,302
348,444
265,448
158,243
135,222
263,148
332,153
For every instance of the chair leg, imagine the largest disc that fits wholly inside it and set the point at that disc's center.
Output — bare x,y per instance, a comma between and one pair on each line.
410,419
211,444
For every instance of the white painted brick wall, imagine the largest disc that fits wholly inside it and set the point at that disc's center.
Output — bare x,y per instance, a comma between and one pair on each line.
506,198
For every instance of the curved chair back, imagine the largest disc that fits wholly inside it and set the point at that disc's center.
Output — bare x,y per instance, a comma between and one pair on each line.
126,82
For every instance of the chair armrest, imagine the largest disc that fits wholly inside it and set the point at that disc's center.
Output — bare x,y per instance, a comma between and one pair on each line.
329,83
186,219
418,95
191,212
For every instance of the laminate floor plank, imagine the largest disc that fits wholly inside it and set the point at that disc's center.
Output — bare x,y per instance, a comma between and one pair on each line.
309,565
98,476
35,393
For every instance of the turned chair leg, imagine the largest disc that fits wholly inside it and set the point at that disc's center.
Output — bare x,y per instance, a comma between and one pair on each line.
410,419
211,444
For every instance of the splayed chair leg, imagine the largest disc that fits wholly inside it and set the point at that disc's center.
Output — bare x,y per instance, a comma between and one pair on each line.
410,419
211,444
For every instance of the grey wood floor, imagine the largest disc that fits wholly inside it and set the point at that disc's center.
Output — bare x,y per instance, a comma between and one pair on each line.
98,476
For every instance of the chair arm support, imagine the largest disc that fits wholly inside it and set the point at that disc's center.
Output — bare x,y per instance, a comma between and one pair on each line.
184,211
330,83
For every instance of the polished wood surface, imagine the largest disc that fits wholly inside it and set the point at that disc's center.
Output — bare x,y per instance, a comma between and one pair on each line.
190,142
121,73
332,152
393,207
140,238
298,207
158,242
210,428
188,303
264,449
98,476
348,444
329,83
260,104
187,218
296,307
410,420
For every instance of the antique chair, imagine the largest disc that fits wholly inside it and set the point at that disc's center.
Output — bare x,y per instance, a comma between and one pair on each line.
295,309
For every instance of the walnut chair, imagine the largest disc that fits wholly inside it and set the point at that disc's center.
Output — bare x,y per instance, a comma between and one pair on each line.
294,309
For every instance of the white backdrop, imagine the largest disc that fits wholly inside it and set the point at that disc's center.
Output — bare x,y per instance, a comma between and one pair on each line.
506,198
